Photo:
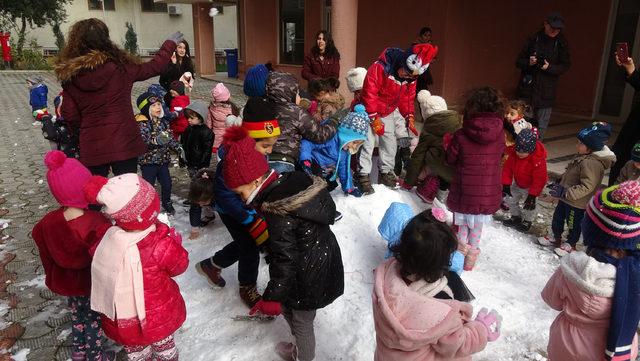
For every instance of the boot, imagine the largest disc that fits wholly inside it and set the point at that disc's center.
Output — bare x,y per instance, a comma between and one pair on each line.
389,179
168,207
428,189
471,258
512,222
212,273
364,184
524,226
287,351
249,295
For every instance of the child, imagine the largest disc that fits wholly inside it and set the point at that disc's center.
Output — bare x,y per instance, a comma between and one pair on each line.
334,157
132,269
220,107
631,170
64,237
37,94
248,229
597,291
429,155
475,152
524,174
330,105
355,80
515,115
197,139
420,309
179,101
306,266
200,195
578,184
154,164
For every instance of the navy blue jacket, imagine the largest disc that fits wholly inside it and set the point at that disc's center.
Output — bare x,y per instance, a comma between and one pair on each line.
226,201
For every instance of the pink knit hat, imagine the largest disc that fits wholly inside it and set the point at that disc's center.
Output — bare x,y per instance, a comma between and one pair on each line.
66,177
128,199
220,93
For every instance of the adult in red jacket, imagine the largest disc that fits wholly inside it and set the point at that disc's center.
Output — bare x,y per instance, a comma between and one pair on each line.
323,61
388,93
97,78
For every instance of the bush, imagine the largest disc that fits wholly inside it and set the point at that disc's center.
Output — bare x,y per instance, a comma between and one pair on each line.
131,40
29,58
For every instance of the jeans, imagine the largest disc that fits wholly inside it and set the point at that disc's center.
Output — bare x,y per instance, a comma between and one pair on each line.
281,166
301,325
543,115
151,172
242,249
387,146
118,168
572,217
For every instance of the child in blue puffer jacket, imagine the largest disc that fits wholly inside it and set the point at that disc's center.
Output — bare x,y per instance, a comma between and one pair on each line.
38,92
332,159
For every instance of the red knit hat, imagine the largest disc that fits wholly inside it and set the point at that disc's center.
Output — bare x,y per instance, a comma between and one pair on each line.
128,199
66,177
242,162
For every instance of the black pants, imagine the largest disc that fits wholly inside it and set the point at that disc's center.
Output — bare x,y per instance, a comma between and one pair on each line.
120,167
151,172
572,217
242,249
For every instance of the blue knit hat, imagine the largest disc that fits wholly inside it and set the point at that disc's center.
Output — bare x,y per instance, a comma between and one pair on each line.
595,135
255,81
635,153
354,126
526,141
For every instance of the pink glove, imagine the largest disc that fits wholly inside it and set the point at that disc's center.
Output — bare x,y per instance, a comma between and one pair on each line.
492,321
270,308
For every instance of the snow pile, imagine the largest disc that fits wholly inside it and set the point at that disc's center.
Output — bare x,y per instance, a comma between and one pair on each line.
509,276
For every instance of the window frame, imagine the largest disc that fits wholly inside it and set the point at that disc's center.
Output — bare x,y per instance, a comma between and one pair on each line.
154,4
298,51
104,2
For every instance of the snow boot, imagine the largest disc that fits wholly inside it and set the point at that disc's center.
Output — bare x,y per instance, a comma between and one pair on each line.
524,226
169,209
249,295
389,179
287,351
428,189
471,258
364,184
512,222
212,273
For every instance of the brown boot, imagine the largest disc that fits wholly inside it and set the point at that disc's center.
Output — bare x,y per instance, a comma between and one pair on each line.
364,184
249,295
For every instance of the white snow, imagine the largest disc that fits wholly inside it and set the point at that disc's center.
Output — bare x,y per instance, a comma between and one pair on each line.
20,355
509,276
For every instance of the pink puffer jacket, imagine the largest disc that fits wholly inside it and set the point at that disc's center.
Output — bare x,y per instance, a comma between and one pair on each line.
218,111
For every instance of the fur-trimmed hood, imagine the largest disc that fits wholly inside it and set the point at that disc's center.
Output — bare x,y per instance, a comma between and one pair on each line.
79,70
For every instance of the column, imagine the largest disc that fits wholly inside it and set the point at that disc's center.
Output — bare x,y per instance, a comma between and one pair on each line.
344,29
203,39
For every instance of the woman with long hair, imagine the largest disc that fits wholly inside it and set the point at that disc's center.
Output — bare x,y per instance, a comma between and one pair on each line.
97,77
181,63
324,60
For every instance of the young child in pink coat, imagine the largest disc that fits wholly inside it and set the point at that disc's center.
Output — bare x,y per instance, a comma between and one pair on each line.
420,309
598,292
219,108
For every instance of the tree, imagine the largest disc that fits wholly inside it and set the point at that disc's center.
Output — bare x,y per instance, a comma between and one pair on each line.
131,39
59,35
34,13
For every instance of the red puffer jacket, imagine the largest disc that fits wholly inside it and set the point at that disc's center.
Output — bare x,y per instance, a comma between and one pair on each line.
97,102
65,250
529,173
382,93
180,124
475,153
162,257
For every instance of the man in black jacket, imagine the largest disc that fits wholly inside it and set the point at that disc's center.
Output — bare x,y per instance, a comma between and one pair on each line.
542,60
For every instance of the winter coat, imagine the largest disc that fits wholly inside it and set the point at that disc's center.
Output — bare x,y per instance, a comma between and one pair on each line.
528,173
314,68
197,141
295,122
179,124
628,172
413,327
64,248
541,92
430,151
305,265
629,135
150,129
97,100
38,96
475,153
582,289
382,93
162,257
228,202
584,174
217,120
173,72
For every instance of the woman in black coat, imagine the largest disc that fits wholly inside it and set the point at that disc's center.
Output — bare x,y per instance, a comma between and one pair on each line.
180,63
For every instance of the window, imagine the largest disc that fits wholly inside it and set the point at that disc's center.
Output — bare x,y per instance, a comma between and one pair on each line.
97,4
291,31
152,6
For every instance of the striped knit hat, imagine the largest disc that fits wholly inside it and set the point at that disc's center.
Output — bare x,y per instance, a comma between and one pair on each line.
259,119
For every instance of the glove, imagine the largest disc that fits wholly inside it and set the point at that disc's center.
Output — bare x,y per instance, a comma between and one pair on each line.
556,190
377,126
506,191
530,203
492,321
176,37
270,308
411,124
306,167
446,140
355,192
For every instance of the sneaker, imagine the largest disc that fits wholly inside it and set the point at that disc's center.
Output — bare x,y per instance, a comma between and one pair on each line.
338,216
389,179
249,295
364,184
471,258
207,269
169,209
524,226
564,249
546,241
287,351
512,222
428,189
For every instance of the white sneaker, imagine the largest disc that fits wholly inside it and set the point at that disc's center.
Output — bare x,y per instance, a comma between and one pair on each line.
545,241
564,249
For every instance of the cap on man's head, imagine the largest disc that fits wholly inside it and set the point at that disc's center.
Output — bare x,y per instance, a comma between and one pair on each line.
555,20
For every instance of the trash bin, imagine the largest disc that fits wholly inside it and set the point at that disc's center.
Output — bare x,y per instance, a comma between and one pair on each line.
232,62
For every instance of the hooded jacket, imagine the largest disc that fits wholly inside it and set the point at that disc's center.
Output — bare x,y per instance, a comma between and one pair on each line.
219,109
295,123
584,174
628,172
475,153
305,263
180,123
430,152
38,96
582,289
156,154
529,173
413,327
97,101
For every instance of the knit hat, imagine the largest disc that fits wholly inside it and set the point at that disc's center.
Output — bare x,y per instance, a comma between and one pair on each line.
177,86
355,78
354,126
128,199
526,141
419,56
430,104
595,135
144,102
36,79
255,81
199,107
66,177
635,153
259,119
220,93
242,162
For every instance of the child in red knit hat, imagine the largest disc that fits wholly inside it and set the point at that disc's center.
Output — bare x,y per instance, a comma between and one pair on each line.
64,237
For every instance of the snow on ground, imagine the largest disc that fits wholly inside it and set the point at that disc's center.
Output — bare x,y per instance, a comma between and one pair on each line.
509,276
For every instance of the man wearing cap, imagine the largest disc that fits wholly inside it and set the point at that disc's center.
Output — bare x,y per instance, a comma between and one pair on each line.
542,60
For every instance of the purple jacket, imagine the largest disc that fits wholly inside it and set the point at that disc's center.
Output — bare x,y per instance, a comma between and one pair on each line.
475,153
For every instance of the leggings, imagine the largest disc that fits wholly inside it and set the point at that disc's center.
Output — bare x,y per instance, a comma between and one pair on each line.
86,329
470,236
163,350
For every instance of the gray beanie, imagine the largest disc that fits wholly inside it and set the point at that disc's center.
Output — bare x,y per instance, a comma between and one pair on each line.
200,108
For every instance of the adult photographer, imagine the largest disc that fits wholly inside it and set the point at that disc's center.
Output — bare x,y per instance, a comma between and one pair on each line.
542,60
